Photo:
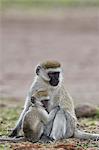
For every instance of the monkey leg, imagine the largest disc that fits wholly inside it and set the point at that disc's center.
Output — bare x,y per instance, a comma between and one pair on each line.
70,125
59,126
63,125
33,127
49,125
33,133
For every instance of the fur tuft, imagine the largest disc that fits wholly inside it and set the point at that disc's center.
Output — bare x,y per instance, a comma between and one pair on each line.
50,64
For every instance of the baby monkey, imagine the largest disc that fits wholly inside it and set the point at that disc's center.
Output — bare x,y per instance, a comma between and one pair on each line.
37,116
35,119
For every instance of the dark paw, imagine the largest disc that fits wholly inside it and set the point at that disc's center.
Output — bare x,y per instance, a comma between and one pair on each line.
13,133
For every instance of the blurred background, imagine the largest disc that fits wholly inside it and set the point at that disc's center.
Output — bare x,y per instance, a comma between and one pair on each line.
37,30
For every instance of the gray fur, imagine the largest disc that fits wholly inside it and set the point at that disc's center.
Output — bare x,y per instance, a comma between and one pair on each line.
58,97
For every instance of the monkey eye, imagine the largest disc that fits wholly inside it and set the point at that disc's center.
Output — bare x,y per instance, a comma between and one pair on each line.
33,99
53,74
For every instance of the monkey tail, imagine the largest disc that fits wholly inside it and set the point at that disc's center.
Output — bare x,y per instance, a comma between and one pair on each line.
13,140
85,136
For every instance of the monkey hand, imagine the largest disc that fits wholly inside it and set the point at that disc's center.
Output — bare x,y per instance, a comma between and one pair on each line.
53,112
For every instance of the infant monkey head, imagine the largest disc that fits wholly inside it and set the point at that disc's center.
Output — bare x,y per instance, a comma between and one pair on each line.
50,72
41,98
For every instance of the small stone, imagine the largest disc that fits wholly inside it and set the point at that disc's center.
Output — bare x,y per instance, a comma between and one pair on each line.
2,105
85,110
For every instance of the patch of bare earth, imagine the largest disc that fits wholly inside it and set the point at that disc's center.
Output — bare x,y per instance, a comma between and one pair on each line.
66,144
42,147
70,144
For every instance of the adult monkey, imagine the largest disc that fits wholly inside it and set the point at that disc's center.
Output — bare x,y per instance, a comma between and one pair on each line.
49,77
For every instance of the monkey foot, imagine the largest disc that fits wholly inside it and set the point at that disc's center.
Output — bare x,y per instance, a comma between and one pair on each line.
13,133
45,139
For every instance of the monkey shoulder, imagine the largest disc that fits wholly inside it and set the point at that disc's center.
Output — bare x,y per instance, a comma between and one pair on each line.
66,101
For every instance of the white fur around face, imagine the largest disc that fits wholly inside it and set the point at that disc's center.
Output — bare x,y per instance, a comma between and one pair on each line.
57,70
44,74
54,70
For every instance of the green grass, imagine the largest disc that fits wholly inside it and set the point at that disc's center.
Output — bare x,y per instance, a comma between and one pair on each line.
9,113
47,3
8,118
97,113
5,146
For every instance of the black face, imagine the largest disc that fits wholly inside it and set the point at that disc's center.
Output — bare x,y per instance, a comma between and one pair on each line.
45,104
54,78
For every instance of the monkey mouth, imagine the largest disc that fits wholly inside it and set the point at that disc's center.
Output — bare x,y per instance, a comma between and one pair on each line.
54,82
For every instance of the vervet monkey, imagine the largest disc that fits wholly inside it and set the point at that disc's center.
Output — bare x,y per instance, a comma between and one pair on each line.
35,119
37,116
49,77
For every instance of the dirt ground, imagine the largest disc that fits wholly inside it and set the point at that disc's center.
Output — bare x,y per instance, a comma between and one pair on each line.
70,36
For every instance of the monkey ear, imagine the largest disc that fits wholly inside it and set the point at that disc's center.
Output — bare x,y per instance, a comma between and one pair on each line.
41,71
38,70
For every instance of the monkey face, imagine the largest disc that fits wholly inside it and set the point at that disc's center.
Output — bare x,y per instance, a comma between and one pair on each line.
45,104
33,100
40,98
50,72
54,78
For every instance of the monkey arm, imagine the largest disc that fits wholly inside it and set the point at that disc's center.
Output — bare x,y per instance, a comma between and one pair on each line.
70,125
26,108
53,113
45,116
66,102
